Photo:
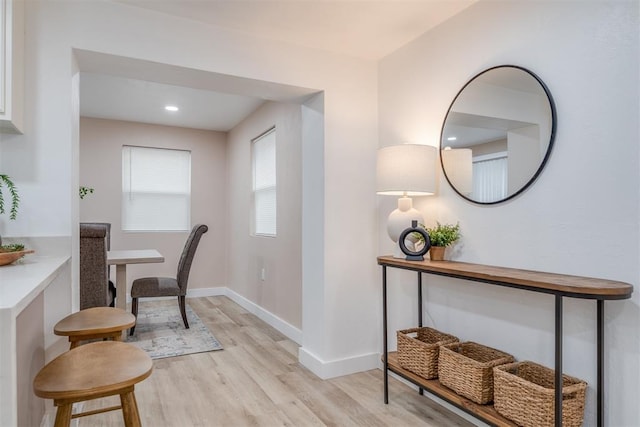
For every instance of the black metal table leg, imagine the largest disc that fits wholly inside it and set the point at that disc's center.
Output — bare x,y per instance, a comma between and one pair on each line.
419,299
385,350
421,390
558,376
600,361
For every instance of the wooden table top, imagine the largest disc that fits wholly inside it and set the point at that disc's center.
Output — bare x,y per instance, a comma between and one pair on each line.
566,285
95,320
93,370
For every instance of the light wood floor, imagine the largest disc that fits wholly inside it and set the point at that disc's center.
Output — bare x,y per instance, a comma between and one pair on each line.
257,381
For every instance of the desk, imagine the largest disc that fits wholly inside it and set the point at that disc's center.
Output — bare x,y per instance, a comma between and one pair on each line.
120,259
559,285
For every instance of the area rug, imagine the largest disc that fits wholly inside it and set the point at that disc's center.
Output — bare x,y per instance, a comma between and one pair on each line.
161,333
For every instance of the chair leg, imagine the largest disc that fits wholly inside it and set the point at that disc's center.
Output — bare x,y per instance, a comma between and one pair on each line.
63,415
183,310
130,409
134,311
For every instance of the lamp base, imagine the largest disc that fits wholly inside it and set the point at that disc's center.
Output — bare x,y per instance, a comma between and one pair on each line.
399,220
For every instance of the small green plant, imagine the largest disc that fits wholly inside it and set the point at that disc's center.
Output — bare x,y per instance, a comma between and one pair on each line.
84,191
444,234
14,247
13,191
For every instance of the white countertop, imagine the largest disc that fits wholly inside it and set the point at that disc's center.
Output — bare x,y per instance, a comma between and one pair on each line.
23,280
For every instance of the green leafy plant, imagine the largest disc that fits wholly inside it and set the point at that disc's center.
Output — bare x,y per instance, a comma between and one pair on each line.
444,234
14,247
84,191
13,191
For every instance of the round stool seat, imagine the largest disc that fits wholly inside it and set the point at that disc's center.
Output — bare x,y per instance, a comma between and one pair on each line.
91,371
95,322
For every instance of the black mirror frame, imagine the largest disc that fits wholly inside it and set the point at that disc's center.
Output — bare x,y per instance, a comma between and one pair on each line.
549,148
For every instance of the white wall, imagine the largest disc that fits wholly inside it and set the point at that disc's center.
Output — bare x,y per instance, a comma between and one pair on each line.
524,156
44,156
280,292
101,144
580,216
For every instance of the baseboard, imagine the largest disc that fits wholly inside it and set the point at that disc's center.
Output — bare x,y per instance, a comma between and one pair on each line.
337,367
288,330
321,368
207,292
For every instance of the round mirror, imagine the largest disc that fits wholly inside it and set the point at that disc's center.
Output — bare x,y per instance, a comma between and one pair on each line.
497,135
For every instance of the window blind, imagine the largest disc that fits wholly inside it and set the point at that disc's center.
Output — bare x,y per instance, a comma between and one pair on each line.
263,155
156,189
490,179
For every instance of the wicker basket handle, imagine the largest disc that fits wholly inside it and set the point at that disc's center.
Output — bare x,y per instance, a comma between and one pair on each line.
569,395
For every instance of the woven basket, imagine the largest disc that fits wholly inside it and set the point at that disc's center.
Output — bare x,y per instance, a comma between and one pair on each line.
525,394
467,369
419,354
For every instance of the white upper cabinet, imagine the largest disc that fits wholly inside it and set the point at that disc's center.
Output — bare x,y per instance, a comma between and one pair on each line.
11,66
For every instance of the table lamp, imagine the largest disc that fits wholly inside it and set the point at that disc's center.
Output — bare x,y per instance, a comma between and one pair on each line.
405,170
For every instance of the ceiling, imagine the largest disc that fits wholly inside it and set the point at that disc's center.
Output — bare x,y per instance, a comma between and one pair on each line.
118,98
358,28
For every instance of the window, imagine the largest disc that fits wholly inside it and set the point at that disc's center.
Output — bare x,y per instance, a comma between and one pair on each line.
156,189
263,160
490,177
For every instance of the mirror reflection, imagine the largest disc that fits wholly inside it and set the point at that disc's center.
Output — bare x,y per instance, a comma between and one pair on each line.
497,134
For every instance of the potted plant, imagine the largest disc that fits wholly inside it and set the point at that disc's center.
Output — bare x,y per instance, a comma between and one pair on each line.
441,236
84,191
5,181
11,252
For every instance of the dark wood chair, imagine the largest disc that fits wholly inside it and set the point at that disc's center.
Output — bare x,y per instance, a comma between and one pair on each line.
168,286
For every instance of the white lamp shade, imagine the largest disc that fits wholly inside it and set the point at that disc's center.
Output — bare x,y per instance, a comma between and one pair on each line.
406,169
458,166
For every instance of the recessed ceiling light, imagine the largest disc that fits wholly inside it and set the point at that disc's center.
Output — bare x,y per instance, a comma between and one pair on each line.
451,138
171,108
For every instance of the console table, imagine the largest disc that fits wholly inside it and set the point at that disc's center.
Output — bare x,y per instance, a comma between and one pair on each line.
559,285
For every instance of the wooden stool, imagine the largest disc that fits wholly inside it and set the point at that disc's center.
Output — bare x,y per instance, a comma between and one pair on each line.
91,371
95,322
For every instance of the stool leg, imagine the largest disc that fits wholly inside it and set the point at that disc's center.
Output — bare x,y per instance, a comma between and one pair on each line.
130,409
63,415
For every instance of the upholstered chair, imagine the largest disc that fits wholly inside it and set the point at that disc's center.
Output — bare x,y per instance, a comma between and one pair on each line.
112,286
169,286
94,282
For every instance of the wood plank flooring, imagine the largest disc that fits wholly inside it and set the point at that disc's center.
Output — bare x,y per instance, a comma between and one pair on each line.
257,381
